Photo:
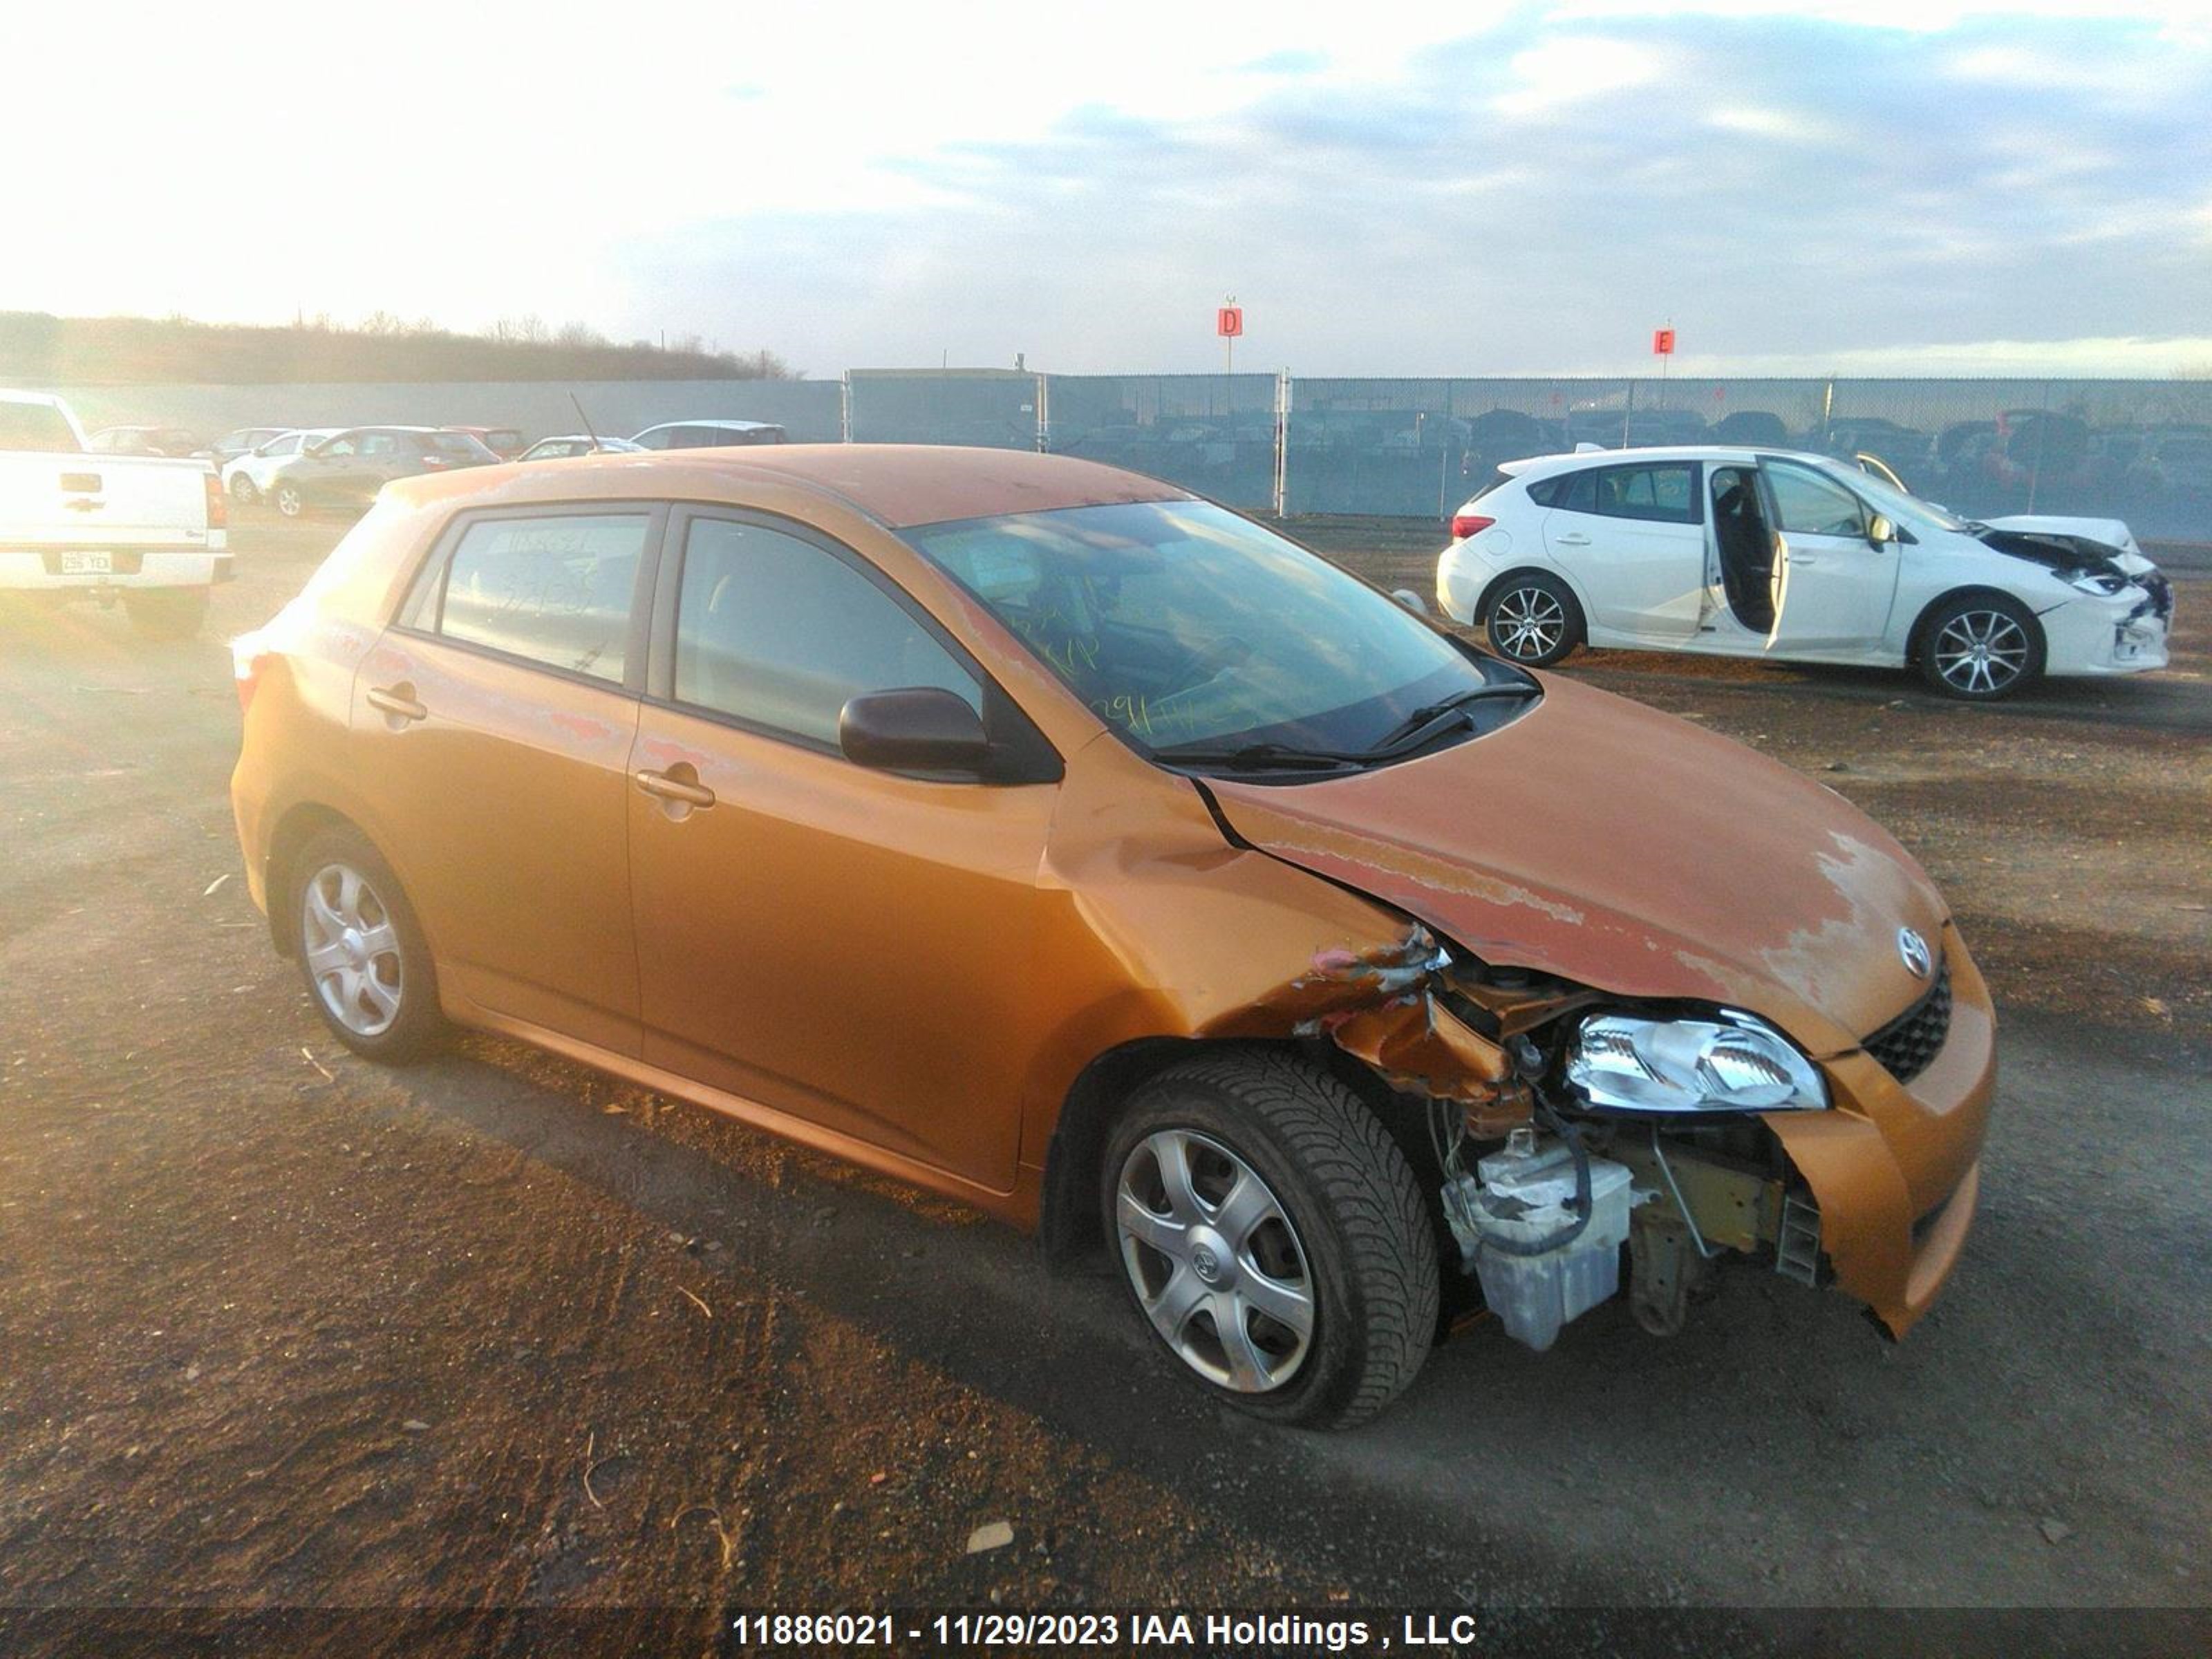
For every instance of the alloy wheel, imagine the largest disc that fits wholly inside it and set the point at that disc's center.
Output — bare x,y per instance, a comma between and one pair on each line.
1981,652
352,950
1215,1262
1527,622
242,490
290,501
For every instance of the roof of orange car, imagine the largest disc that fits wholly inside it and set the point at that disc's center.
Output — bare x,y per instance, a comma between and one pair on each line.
899,484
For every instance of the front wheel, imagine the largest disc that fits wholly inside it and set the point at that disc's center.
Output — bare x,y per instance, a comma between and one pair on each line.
360,951
289,500
167,613
1271,1237
1981,647
1533,618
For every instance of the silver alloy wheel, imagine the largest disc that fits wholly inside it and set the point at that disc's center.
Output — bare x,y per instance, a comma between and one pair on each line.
1214,1261
1528,622
290,501
352,950
242,490
1981,652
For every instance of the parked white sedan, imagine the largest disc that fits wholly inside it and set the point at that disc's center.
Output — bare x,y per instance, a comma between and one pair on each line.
1744,552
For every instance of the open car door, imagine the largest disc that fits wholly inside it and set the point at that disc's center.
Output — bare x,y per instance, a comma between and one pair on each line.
1833,586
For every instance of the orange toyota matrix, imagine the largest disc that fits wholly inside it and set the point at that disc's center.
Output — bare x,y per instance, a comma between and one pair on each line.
1050,838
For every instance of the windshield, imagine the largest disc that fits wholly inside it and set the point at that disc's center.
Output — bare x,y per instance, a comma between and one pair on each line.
1900,507
1184,626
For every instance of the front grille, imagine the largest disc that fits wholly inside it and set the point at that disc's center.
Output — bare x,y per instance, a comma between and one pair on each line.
1908,1043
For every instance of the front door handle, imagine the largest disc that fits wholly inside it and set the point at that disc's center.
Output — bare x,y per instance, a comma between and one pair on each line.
397,700
667,786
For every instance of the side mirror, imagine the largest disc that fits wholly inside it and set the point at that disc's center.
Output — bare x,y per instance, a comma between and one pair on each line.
1410,600
1880,532
918,729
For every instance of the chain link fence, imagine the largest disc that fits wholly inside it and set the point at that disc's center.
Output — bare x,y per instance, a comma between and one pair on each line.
1215,435
1414,449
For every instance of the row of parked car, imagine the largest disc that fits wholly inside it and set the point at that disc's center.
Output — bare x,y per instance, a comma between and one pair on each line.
294,469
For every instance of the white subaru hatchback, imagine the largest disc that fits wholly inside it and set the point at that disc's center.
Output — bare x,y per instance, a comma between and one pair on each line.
1757,553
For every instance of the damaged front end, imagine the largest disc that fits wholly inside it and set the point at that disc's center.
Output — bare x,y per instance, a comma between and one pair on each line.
1567,1123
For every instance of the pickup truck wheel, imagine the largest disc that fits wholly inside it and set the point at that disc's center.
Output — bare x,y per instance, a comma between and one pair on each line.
290,501
242,490
1271,1237
167,613
367,969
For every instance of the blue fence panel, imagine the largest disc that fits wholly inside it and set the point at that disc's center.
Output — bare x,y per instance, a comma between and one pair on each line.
1213,435
990,409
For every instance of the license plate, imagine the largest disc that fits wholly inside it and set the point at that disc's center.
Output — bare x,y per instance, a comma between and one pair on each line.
87,564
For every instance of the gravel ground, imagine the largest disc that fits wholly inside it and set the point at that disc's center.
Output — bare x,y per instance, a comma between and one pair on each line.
280,1329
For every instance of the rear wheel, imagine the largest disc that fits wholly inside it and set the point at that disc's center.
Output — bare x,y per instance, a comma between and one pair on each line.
167,613
360,951
1980,646
1272,1238
1533,618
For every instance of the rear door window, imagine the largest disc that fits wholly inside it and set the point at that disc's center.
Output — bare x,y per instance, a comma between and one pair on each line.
1666,494
556,590
779,633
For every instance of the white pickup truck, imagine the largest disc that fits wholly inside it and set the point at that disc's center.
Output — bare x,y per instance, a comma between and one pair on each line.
74,526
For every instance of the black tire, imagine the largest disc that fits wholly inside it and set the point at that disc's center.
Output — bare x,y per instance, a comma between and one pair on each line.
242,490
2008,639
1532,618
1358,1235
291,500
417,1026
167,613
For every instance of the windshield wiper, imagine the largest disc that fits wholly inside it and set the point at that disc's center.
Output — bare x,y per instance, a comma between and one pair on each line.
1261,757
1416,728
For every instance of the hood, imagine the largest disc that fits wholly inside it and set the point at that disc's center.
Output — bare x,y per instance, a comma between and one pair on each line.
1607,843
2102,545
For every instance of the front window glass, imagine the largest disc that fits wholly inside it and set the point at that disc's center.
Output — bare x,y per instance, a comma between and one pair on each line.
555,590
1180,623
1811,504
782,634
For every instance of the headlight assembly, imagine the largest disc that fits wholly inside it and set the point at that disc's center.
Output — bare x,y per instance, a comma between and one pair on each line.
1732,1062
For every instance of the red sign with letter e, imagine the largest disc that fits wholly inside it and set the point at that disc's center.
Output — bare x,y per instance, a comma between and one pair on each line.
1229,321
1663,342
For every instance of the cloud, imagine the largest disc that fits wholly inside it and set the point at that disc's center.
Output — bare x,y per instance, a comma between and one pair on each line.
1495,189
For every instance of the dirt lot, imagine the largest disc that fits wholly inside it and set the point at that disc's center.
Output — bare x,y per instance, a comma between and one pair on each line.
279,1328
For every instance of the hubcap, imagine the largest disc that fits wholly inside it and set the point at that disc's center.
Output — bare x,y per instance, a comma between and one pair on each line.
1528,622
1981,651
1214,1261
352,950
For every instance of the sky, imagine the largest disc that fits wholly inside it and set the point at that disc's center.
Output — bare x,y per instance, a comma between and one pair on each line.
1937,187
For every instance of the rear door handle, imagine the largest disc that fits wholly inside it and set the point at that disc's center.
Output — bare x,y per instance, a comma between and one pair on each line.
1576,539
1803,558
397,700
668,786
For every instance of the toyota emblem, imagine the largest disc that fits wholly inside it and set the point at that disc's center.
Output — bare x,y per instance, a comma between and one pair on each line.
1914,950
